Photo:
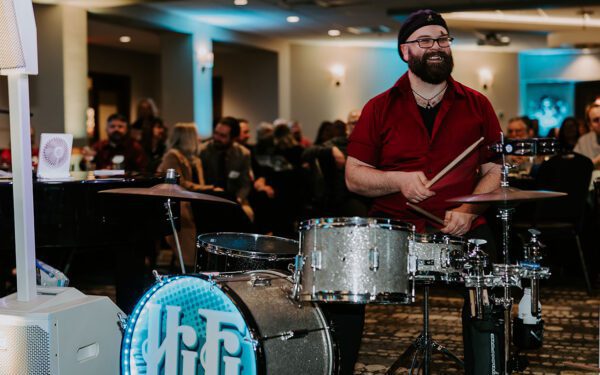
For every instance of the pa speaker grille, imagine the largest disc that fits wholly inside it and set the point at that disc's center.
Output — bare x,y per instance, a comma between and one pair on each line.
24,350
11,50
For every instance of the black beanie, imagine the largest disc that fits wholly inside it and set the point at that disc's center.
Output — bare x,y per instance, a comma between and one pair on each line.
415,21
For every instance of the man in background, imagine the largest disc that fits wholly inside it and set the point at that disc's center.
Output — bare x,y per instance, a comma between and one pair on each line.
119,151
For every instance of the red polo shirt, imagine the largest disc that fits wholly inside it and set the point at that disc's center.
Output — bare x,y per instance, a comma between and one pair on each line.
391,136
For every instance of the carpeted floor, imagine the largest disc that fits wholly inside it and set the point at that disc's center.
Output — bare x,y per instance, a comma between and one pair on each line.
571,332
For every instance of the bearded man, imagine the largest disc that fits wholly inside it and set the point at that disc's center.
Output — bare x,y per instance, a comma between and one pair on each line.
119,151
409,133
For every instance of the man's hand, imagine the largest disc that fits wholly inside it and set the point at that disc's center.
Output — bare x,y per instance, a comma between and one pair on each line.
457,223
338,157
412,186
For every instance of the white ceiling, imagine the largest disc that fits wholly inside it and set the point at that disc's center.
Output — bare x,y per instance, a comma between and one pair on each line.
268,18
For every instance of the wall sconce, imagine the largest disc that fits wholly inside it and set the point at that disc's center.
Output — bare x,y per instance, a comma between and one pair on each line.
338,74
206,59
486,78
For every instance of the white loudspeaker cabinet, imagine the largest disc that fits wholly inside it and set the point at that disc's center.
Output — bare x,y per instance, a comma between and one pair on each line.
62,331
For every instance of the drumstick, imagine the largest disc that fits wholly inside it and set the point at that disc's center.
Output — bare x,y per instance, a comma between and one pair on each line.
453,163
427,214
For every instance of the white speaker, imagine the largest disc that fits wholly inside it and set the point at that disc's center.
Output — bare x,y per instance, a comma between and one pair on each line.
64,332
18,39
55,155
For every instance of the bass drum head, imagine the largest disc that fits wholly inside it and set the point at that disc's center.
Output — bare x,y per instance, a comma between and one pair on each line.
188,325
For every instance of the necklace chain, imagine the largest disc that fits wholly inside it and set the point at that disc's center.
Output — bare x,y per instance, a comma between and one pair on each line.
429,100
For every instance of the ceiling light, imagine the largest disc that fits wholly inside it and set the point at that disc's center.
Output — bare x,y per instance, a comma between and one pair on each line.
334,32
240,2
124,39
293,19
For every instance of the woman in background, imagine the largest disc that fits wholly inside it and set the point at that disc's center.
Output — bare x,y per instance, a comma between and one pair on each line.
154,143
183,157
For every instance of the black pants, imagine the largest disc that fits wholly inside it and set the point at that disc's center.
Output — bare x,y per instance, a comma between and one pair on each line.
346,321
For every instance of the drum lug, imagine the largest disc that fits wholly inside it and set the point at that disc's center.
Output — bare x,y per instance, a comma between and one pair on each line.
316,260
374,259
259,281
122,321
158,277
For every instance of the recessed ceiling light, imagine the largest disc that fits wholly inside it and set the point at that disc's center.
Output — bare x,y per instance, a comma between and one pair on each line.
125,39
334,32
240,2
293,19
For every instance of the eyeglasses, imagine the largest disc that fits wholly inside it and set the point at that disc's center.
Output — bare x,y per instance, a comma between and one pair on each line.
443,41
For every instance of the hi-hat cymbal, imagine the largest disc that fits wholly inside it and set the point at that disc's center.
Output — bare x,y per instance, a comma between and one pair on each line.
507,195
169,191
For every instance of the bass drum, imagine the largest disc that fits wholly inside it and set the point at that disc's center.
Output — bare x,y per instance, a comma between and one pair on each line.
241,323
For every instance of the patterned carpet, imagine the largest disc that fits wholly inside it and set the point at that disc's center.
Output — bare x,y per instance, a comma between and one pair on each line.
571,332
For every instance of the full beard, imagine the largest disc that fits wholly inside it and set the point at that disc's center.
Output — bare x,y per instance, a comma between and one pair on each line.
433,72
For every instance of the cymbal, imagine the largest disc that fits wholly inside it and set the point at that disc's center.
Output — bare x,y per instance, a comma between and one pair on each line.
507,195
169,191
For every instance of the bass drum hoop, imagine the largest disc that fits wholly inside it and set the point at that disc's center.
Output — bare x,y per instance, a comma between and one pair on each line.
247,254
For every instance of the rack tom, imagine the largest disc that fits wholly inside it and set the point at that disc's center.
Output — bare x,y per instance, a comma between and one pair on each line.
354,260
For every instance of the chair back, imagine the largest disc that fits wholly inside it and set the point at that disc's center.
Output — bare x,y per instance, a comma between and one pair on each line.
568,173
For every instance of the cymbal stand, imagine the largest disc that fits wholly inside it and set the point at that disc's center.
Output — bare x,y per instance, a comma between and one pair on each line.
171,178
505,213
423,346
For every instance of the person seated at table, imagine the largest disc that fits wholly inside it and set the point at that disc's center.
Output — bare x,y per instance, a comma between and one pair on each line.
6,155
154,142
589,144
227,164
182,156
568,134
520,128
119,151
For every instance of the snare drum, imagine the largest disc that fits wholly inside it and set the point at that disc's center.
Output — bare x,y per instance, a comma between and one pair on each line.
240,323
436,257
356,260
227,252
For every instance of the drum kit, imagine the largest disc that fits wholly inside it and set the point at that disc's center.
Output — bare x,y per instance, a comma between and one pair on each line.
253,304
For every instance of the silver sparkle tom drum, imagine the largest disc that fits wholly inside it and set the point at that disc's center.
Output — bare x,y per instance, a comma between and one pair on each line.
355,260
436,257
226,252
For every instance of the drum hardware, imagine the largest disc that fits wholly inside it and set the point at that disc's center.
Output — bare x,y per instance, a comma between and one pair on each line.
423,346
527,147
293,334
506,199
475,279
257,280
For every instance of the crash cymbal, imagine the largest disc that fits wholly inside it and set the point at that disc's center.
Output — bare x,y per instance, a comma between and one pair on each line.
169,191
507,195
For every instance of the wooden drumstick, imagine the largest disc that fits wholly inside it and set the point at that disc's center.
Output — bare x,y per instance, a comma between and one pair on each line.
453,163
425,213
